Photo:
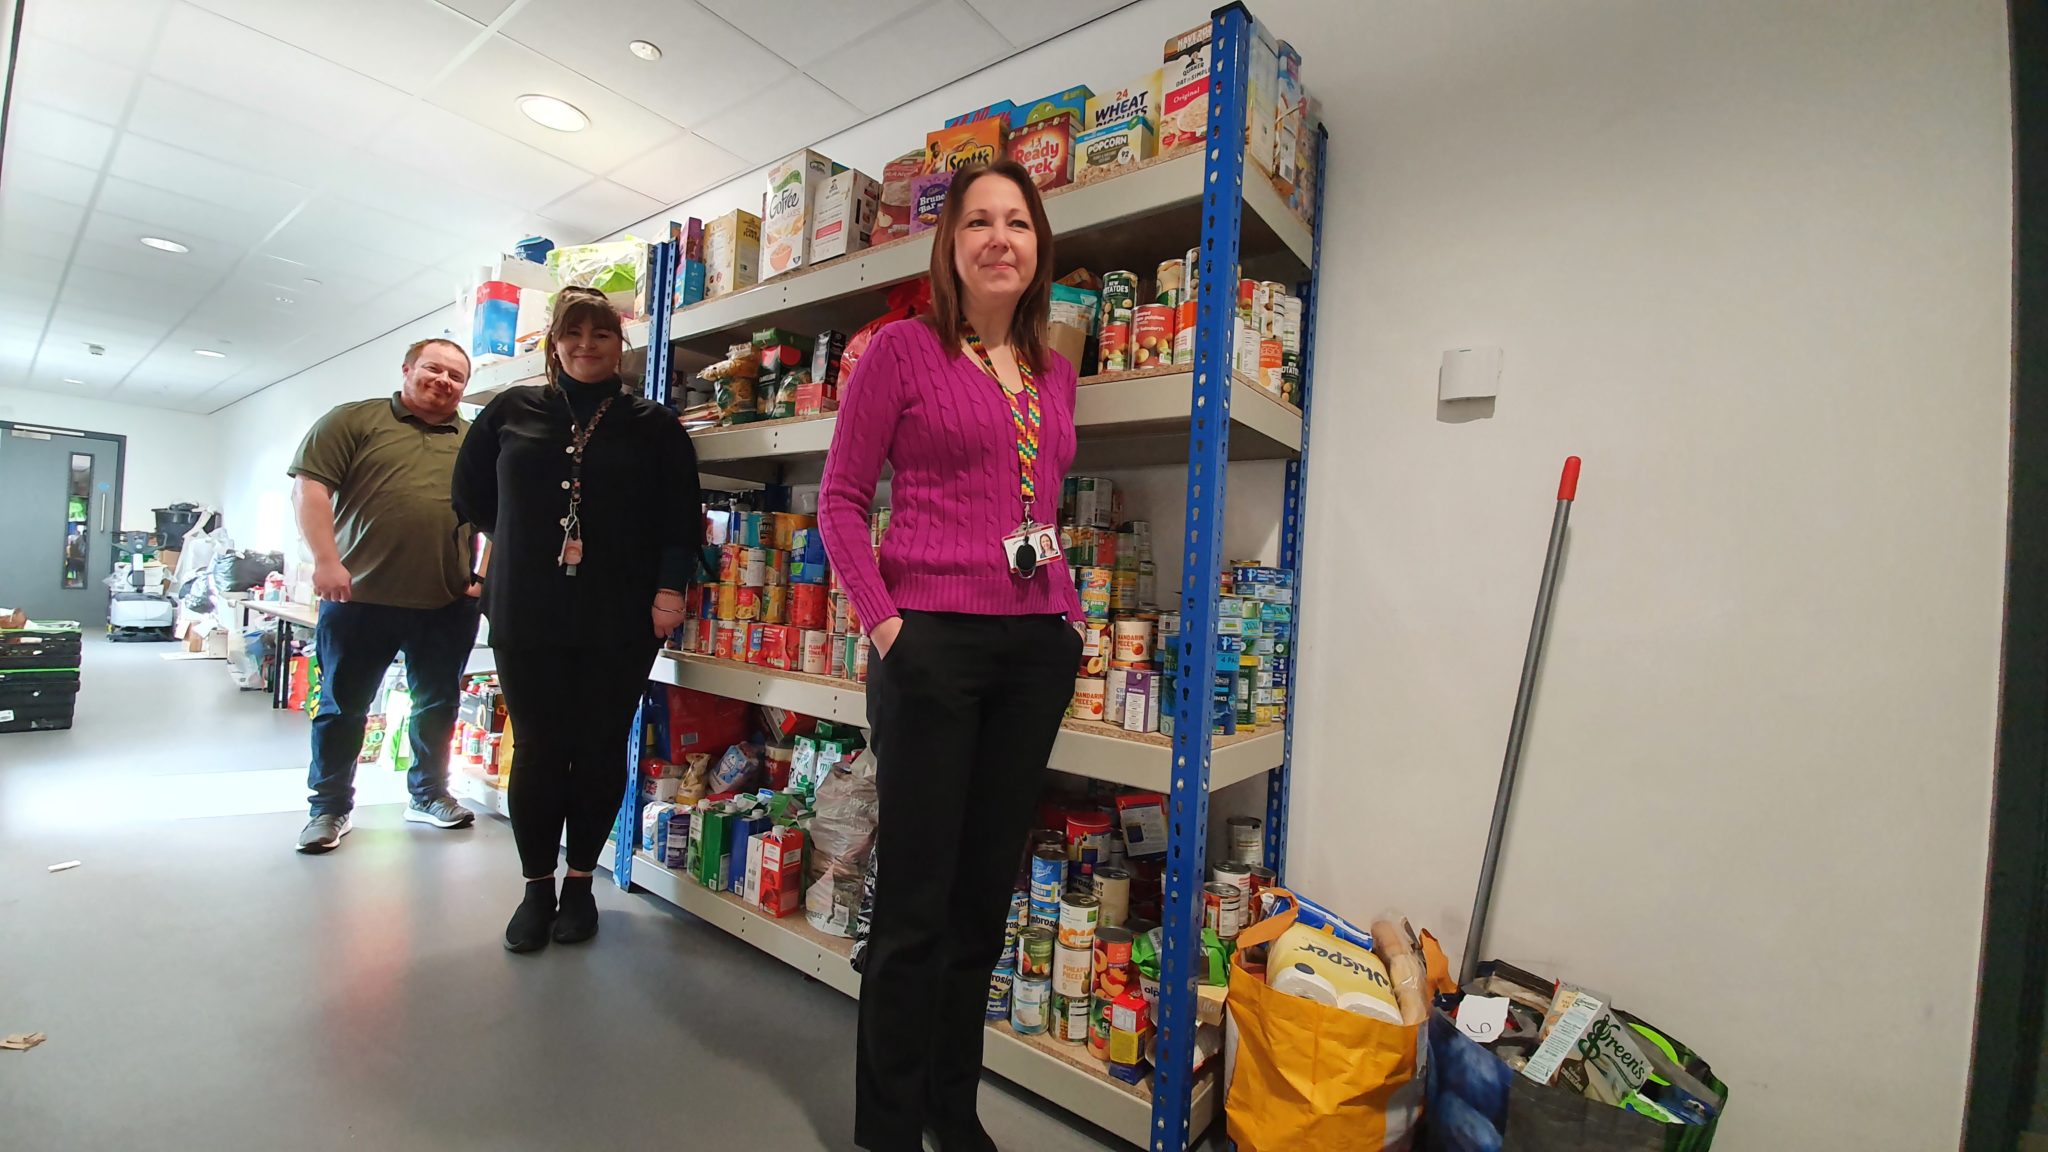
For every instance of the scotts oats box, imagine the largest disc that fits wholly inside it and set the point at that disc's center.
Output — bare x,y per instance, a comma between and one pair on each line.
793,188
1140,101
976,142
1046,150
1184,97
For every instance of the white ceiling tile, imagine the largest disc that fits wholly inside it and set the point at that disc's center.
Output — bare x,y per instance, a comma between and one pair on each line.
52,132
183,218
795,113
142,301
406,245
246,137
482,11
309,241
454,151
119,31
26,272
678,169
707,65
219,57
44,176
403,43
1026,24
804,32
122,236
487,87
946,36
427,199
65,78
598,210
188,174
37,225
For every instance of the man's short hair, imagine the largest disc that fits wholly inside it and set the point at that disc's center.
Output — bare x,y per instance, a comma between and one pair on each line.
412,354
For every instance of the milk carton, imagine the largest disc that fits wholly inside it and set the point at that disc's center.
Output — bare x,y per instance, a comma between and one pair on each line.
793,188
845,215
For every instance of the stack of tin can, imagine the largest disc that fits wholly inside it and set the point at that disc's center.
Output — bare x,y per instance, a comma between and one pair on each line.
1267,340
1148,329
777,602
1117,681
1254,666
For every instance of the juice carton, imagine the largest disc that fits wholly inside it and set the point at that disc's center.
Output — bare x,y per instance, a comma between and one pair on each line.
846,215
781,883
1114,146
793,188
732,253
892,219
1073,101
1001,109
1140,100
976,142
1184,100
690,269
1046,149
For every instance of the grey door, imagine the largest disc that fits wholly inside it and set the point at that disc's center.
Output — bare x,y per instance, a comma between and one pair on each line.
60,503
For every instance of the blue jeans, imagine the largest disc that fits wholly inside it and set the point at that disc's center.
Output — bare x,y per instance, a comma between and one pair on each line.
356,643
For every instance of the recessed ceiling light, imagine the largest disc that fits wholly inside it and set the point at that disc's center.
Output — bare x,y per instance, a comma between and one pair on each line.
285,300
550,112
313,282
163,245
73,380
645,49
209,353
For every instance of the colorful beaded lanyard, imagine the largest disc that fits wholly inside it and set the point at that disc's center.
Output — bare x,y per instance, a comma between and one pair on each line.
1027,422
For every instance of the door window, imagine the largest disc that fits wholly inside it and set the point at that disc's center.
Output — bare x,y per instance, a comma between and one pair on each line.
77,521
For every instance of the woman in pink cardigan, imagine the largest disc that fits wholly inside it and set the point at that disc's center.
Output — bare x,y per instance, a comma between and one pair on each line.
973,650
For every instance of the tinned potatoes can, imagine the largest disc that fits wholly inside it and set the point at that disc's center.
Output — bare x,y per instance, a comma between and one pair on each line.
1152,336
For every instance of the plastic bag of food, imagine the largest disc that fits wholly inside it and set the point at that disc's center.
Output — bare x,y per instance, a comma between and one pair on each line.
696,781
739,770
913,298
842,835
612,268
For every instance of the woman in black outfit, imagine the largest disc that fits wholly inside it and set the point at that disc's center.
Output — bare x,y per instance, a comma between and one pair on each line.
590,498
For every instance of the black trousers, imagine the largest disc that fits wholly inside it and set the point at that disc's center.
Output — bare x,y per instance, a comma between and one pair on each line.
963,713
572,720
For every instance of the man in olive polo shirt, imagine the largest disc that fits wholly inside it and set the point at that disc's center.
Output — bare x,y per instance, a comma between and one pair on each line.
392,568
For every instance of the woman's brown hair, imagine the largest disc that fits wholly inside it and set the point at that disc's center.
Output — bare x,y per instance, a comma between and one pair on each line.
1027,327
573,306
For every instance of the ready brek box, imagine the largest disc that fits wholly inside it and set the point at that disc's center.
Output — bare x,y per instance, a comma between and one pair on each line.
1184,97
1140,101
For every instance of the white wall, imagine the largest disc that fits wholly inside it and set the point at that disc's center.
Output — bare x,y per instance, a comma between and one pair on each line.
172,456
1750,260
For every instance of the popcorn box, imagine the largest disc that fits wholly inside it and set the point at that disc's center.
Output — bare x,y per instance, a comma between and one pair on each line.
1115,146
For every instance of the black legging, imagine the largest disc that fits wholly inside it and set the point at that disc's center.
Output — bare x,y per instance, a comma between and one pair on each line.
572,718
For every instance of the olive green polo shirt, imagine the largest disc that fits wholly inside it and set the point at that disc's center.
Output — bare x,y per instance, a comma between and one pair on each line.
390,473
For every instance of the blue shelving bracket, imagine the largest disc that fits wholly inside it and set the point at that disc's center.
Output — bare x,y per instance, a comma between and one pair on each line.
661,287
1231,29
1279,782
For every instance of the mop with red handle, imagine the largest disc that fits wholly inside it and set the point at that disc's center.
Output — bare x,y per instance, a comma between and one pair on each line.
1475,938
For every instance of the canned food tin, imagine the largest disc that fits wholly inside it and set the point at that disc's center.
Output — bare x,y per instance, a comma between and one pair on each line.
1079,913
1269,366
1114,974
746,603
1049,871
1247,300
730,561
1028,999
1020,911
1247,842
754,568
808,608
725,642
816,661
1148,584
1045,914
1098,1028
1113,889
1223,909
1113,694
775,604
1244,349
1094,588
1035,945
1235,874
1073,969
860,659
1290,324
1262,879
1087,845
727,604
1184,332
1053,838
1070,1017
1152,336
1114,348
1123,591
999,984
1119,297
1095,647
1132,641
839,655
1270,297
1166,282
1088,700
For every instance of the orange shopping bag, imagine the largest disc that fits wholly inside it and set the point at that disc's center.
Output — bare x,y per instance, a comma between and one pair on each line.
1310,1077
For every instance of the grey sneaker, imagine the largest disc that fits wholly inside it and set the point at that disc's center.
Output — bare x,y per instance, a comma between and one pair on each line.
324,833
441,813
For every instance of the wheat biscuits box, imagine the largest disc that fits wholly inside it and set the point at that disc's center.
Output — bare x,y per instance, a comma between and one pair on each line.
1139,101
793,188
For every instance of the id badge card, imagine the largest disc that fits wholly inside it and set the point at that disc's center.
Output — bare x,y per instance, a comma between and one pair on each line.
1031,547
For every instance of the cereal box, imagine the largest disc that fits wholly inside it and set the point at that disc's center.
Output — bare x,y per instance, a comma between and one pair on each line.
1262,98
1000,110
1114,146
1184,98
689,240
892,219
1046,149
793,187
1140,101
1073,102
732,253
845,215
1289,107
950,149
928,199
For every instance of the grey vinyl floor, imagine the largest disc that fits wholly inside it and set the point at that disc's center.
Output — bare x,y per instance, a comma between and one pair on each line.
205,987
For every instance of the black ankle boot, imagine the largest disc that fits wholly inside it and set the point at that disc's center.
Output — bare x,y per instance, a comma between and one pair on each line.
528,931
576,921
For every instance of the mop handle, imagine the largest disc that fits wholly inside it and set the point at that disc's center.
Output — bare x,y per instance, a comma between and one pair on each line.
1475,937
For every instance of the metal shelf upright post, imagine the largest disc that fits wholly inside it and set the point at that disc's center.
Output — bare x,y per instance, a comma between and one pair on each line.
661,280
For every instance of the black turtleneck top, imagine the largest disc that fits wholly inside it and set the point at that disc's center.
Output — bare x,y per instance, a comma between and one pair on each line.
642,514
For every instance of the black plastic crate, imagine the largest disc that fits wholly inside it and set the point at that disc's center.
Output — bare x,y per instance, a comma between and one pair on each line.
40,648
37,701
